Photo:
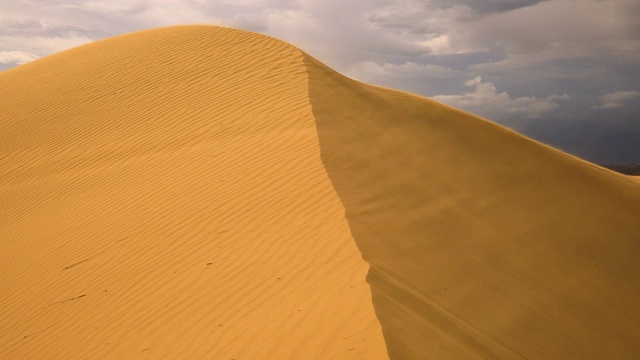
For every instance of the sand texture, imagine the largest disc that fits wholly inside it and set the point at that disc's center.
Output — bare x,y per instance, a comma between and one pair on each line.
202,192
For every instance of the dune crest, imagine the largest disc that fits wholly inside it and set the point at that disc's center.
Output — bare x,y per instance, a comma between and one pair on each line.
202,192
163,197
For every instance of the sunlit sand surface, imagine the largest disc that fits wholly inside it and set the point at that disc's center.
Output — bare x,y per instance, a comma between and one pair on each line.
202,192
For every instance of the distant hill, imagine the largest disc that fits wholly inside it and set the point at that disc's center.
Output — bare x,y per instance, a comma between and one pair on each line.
631,169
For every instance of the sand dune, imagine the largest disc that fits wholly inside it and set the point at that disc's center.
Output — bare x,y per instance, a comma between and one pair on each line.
482,242
201,192
172,178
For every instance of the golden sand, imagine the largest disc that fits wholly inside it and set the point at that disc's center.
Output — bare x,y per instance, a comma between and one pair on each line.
201,192
163,196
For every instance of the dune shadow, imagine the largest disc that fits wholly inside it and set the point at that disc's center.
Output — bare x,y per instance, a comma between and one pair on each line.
470,229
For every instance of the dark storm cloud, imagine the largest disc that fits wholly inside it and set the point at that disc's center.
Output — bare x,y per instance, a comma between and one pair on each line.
604,138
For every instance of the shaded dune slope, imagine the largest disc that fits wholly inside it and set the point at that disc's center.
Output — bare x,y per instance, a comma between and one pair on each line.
162,196
482,243
200,192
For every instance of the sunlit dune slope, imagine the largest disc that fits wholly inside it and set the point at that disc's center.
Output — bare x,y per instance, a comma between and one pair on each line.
162,196
200,192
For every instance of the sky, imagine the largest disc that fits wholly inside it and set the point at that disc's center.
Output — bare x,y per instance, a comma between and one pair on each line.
565,72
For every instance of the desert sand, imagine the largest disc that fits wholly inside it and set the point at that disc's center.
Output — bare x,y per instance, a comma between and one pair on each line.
203,192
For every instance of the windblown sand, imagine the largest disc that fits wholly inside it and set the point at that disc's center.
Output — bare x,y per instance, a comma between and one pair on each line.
201,192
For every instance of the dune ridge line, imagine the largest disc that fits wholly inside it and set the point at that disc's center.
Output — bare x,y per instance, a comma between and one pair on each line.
162,195
204,192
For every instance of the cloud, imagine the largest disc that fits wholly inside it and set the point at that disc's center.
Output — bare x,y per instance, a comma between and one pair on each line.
488,6
584,26
420,78
16,57
473,82
616,99
372,71
486,101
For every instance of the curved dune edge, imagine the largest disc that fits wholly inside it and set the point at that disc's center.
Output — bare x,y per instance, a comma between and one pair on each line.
162,196
182,192
482,243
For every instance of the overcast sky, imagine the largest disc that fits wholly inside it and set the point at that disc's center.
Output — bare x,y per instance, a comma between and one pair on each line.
566,72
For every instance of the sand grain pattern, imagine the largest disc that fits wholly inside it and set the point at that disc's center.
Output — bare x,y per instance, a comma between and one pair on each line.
169,182
201,192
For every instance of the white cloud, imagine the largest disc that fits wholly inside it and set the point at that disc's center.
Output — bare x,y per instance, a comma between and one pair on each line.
473,82
485,100
616,99
16,57
443,45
